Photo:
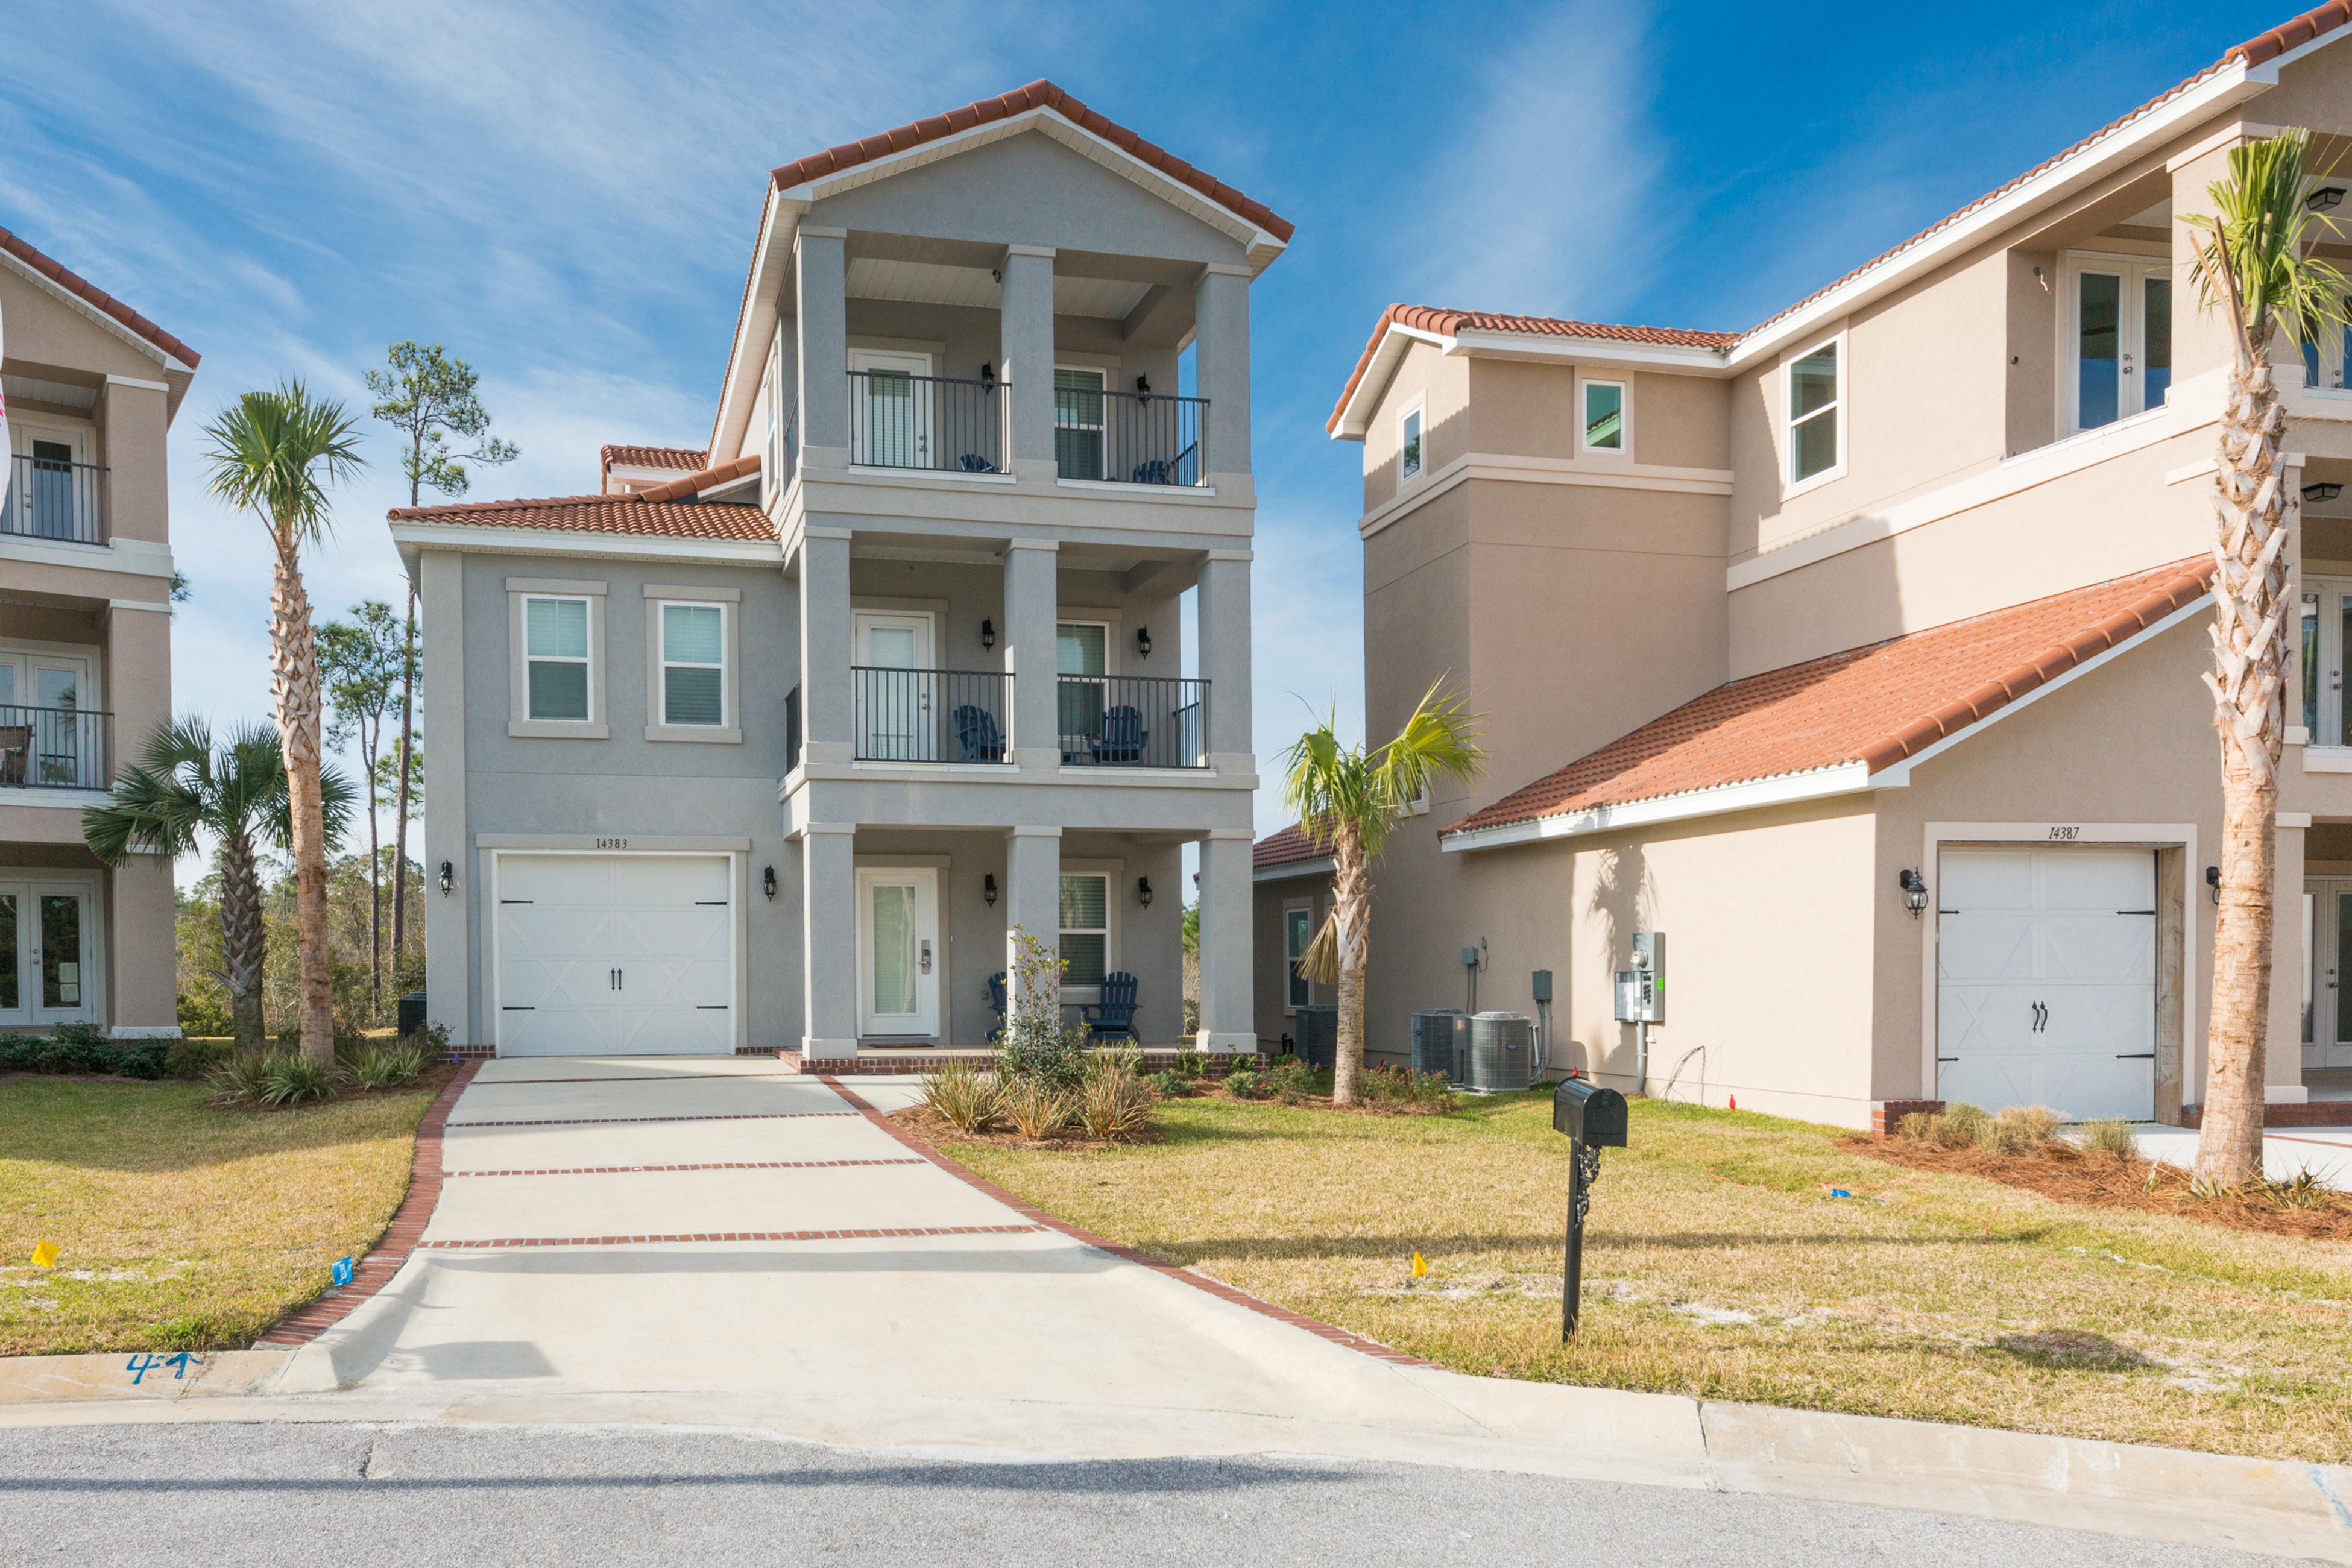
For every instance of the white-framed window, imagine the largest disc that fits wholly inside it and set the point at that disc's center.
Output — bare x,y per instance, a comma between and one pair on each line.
1605,414
2117,359
1078,421
1408,443
557,678
1086,928
771,441
2321,650
1815,400
1298,935
693,663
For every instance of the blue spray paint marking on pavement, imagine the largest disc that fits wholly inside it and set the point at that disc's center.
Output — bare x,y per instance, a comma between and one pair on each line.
139,1366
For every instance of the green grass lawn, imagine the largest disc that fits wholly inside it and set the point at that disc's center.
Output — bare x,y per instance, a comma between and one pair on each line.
182,1226
1717,1266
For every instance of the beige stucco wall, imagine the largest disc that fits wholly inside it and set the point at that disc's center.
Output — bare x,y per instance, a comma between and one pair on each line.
1444,385
1270,971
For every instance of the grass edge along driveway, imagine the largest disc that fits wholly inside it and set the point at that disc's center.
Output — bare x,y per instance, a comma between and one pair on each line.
183,1227
1719,1266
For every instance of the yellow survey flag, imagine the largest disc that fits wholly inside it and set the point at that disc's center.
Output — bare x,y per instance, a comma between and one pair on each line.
1420,1267
44,1254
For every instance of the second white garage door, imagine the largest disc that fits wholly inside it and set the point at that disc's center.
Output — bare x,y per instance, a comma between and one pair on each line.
2046,980
622,955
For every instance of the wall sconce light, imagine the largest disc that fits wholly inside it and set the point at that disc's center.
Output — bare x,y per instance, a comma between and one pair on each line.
988,375
2326,199
2322,492
1143,641
1914,891
988,634
448,878
1143,890
2214,881
988,889
2041,279
1143,383
768,882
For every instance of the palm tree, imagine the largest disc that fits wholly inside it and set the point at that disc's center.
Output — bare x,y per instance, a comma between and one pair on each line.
274,452
1348,798
181,786
2253,261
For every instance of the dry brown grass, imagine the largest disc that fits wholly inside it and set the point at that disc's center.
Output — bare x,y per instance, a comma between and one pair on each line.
1718,1266
183,1227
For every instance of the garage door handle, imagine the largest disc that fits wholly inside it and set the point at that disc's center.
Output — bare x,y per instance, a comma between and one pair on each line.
2135,1056
516,1009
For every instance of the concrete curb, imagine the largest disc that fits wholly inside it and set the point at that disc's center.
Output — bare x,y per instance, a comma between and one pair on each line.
147,1376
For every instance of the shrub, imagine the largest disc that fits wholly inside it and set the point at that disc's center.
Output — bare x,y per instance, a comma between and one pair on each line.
237,1077
195,1058
1114,1104
1407,1090
2019,1130
289,1078
434,1039
1245,1083
387,1064
2304,1189
1189,1064
205,1013
82,1047
962,1096
1955,1127
2109,1138
1038,1108
1040,1046
1165,1084
1290,1080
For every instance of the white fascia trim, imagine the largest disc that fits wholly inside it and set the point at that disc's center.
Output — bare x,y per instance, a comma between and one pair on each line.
610,547
1355,418
81,306
1491,344
1818,783
755,324
1290,869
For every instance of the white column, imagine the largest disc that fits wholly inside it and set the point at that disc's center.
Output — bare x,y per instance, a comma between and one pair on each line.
1224,658
1032,590
449,982
820,273
1033,896
1227,1020
1025,328
1222,367
829,940
827,718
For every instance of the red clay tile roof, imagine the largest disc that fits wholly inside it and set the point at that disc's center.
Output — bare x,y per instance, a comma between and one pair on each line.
1875,705
603,515
73,282
1038,94
693,485
1287,847
685,458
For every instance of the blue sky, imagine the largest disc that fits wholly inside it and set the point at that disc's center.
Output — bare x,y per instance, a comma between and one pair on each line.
566,196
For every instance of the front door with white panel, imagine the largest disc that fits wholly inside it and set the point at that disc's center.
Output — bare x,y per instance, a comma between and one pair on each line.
895,686
2326,948
614,955
2046,979
899,956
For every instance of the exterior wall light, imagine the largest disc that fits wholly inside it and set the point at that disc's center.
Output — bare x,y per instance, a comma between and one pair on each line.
1143,890
1143,383
988,889
2322,492
988,374
2214,881
988,634
2326,199
1143,641
448,878
768,882
1914,891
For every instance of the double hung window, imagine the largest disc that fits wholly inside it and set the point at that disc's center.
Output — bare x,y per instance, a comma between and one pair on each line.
1086,928
1816,403
555,646
694,664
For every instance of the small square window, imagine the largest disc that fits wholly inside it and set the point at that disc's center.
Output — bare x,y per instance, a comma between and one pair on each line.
1604,416
555,646
1409,446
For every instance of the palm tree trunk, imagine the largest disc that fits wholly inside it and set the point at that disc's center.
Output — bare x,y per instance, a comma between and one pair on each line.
2256,515
400,789
1351,915
244,951
294,665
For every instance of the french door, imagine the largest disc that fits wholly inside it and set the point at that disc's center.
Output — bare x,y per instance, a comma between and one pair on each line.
47,941
897,701
2119,330
2326,620
2326,968
48,734
898,955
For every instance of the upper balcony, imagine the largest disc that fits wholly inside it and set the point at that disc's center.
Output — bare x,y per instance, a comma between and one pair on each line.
51,496
54,748
898,419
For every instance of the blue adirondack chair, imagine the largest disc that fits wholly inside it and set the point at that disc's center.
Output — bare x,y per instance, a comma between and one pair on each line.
1114,1015
1120,736
973,463
1153,472
977,736
997,1003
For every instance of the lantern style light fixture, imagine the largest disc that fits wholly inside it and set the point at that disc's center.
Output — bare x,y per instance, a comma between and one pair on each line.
1143,890
1143,383
1914,891
2322,491
2214,881
2326,199
988,634
448,878
988,375
988,889
768,882
1143,641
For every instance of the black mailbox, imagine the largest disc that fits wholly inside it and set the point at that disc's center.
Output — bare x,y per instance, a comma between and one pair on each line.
1592,1115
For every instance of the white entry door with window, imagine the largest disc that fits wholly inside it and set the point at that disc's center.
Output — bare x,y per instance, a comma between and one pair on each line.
899,953
889,409
614,955
2118,354
47,937
2045,965
2327,969
896,694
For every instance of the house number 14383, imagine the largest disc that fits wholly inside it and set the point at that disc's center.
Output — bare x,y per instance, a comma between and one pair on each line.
612,844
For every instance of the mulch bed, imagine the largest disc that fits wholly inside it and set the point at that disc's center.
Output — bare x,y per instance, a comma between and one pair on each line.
936,1130
2112,1181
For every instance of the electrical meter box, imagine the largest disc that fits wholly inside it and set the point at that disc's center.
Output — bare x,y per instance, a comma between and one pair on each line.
1642,989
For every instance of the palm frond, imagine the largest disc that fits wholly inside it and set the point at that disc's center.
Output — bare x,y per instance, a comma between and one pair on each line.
1321,963
2251,255
274,454
1327,785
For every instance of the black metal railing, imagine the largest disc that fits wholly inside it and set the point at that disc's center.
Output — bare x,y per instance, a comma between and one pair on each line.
900,421
53,748
1130,438
1132,721
51,498
931,716
793,728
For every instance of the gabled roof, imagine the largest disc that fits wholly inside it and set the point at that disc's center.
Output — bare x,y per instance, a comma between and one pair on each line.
1875,705
98,298
1288,846
1038,94
682,457
603,515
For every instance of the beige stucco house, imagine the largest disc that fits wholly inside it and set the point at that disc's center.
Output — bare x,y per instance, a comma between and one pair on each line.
85,644
1857,655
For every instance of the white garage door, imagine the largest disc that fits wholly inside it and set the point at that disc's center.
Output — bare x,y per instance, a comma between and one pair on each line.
614,955
2046,980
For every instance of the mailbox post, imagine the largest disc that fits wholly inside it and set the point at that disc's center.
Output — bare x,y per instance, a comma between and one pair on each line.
1593,1118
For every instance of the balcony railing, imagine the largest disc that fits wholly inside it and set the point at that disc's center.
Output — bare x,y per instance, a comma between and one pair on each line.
1131,438
53,748
901,421
51,498
931,716
1132,721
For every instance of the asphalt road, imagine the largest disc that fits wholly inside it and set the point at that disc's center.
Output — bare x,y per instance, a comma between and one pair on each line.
193,1495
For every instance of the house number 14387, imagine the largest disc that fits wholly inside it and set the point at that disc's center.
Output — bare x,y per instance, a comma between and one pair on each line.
2062,835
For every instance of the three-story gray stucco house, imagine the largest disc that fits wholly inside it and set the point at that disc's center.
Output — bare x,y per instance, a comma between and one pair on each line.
774,745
